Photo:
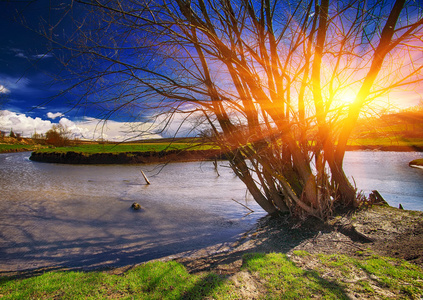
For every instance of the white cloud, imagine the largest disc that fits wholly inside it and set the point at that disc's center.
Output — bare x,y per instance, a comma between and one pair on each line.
42,56
88,128
94,129
4,90
182,123
53,116
22,124
21,55
12,84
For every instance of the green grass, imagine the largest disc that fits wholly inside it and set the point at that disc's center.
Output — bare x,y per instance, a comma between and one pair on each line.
17,147
154,280
284,280
387,141
278,274
374,272
123,148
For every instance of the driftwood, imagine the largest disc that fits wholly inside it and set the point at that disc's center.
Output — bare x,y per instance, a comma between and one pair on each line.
145,178
376,198
242,205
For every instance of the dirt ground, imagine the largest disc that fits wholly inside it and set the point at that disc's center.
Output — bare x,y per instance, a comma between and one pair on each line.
385,231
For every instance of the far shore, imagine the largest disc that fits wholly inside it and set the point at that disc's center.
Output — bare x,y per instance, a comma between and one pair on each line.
170,155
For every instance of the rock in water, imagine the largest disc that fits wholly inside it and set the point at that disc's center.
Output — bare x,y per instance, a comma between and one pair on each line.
136,206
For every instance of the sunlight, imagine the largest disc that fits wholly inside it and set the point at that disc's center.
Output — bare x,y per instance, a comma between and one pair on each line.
346,96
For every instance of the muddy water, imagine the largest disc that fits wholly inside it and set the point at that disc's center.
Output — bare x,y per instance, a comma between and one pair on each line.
80,216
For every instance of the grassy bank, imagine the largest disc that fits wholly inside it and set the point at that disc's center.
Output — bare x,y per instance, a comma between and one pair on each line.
6,148
262,276
124,148
398,141
162,145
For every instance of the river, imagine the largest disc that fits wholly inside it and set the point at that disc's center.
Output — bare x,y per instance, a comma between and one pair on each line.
80,215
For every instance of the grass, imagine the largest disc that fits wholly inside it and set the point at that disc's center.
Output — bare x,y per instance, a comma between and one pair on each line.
17,147
280,276
283,279
153,280
387,141
123,148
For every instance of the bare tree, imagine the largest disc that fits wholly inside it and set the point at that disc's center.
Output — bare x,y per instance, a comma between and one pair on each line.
58,135
272,79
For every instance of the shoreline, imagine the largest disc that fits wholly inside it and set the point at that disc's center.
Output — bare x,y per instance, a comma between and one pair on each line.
144,157
390,148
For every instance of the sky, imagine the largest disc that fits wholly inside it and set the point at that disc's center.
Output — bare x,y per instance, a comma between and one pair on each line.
29,100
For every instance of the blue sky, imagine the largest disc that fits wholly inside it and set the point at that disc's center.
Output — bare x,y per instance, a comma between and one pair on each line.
24,62
29,100
26,69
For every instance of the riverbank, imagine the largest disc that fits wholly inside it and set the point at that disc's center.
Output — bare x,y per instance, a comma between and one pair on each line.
373,253
71,157
11,145
78,155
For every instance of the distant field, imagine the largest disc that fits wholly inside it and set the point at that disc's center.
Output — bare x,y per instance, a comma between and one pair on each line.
135,147
17,148
387,141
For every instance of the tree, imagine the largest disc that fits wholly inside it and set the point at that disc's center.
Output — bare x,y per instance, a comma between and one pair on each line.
280,83
58,136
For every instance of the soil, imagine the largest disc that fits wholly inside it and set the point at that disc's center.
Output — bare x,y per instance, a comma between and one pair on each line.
382,230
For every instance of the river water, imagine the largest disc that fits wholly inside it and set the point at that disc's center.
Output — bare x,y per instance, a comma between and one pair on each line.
80,215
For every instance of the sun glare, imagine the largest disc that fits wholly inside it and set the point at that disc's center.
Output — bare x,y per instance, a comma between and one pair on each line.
345,97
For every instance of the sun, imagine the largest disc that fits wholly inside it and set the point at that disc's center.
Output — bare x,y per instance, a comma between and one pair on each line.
346,96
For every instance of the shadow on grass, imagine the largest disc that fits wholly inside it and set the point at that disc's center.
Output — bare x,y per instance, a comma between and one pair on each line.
283,279
204,288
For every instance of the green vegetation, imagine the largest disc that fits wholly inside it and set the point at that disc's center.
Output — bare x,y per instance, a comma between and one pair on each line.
132,147
283,279
17,147
387,141
154,280
274,275
371,273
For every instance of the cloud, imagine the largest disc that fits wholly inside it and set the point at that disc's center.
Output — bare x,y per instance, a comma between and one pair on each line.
95,129
42,56
20,123
13,84
53,116
4,90
189,122
21,54
87,128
